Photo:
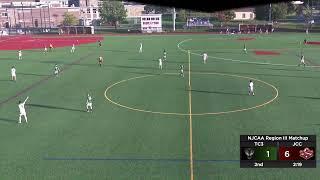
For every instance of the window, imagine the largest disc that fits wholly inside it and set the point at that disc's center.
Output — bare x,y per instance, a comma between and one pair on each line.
243,15
148,19
94,10
144,19
152,19
88,10
4,14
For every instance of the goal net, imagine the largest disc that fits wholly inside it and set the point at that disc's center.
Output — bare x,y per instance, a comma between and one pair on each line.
254,28
76,30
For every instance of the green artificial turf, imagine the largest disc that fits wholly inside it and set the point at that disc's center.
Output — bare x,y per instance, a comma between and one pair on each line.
62,141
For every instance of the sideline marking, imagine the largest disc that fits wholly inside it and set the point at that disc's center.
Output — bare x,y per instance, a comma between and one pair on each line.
190,121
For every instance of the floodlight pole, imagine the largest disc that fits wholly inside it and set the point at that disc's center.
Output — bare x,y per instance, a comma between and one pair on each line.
270,11
174,19
24,22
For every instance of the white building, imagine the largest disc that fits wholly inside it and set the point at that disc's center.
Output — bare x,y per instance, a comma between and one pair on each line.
151,23
89,15
244,14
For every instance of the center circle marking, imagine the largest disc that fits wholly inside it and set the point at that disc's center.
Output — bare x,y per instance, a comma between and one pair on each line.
275,90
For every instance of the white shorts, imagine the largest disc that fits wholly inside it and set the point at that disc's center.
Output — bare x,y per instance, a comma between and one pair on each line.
56,72
13,75
251,89
160,64
302,61
23,113
89,104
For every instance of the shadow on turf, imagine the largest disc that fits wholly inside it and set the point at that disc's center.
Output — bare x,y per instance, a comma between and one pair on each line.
52,62
54,107
305,97
261,74
9,59
31,74
146,73
121,51
8,120
282,69
218,92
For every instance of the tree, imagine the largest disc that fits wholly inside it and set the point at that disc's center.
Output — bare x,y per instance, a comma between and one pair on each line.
112,12
69,19
291,8
279,11
225,16
156,9
229,15
181,15
261,12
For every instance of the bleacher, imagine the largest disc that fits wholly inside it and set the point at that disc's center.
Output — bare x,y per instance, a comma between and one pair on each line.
198,22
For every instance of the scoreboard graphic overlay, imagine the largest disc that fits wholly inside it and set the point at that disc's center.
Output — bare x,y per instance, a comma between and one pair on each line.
278,151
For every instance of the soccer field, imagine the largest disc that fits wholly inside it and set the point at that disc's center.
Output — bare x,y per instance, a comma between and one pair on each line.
153,124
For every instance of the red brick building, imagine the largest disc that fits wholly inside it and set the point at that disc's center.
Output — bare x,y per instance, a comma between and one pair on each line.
42,14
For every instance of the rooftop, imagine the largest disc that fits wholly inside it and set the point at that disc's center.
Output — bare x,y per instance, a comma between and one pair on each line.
245,9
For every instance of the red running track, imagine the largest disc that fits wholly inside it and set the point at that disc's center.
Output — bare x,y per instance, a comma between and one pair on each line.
313,42
246,39
30,42
266,53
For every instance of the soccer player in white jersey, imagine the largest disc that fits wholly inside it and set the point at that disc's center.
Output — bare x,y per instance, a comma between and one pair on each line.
205,57
45,49
73,48
89,103
140,49
23,110
160,63
245,48
13,74
251,90
302,61
19,54
56,70
50,47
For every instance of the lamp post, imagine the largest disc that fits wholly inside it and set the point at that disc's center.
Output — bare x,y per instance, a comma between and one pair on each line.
9,23
24,22
270,11
174,19
49,16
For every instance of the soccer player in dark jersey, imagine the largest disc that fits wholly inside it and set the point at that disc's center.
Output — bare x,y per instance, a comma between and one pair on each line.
181,71
100,61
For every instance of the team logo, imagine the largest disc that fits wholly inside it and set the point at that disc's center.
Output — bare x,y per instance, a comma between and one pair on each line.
306,153
249,152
